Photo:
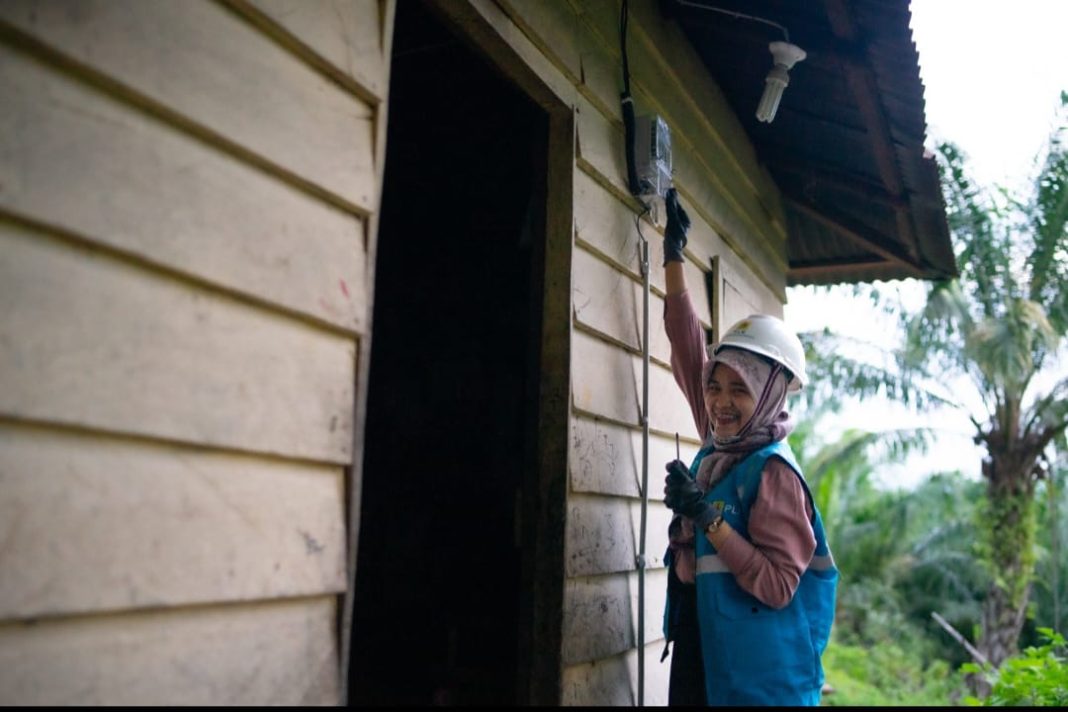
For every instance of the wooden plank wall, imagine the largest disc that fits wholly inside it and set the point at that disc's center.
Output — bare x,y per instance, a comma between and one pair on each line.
187,202
737,236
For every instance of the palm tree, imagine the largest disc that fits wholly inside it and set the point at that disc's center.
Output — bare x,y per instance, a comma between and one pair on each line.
997,332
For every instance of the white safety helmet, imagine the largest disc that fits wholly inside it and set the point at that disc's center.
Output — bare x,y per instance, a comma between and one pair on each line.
770,337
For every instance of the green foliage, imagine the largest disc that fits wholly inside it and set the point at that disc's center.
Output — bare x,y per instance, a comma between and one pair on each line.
1037,677
886,675
902,554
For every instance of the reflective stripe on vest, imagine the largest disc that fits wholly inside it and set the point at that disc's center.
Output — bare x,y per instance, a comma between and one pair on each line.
712,564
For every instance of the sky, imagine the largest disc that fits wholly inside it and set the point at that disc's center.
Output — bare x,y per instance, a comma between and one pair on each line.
992,75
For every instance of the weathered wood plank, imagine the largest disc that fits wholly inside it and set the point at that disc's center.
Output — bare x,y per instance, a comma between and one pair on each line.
600,537
602,534
605,224
606,458
600,145
93,524
610,302
760,299
606,381
93,341
218,72
614,681
597,618
80,161
197,657
601,614
606,299
346,33
604,683
668,410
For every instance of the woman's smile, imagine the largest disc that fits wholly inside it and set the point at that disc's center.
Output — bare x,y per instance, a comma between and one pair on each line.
723,420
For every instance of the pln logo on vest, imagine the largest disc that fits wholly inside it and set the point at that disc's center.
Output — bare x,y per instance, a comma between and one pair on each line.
719,506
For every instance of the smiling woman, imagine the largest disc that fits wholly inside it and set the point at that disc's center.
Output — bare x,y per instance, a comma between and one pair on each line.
748,559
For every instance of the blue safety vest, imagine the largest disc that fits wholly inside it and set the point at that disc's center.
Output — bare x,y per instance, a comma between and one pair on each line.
754,654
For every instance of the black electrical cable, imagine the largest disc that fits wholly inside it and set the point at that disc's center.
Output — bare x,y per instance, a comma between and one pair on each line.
638,221
623,18
628,106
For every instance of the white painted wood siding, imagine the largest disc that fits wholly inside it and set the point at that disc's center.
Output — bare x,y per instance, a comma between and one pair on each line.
188,193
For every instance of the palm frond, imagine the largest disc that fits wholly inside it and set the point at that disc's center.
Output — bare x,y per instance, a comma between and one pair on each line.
836,377
1009,349
982,257
1048,262
1049,414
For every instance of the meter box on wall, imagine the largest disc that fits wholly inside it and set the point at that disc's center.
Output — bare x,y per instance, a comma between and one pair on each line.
652,155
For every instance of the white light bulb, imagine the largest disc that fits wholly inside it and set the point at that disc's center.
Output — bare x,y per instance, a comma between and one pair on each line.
785,57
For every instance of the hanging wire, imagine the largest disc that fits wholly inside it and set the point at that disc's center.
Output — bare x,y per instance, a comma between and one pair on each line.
646,209
732,13
623,18
627,104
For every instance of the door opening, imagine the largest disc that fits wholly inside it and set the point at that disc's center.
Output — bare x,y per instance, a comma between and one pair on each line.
451,426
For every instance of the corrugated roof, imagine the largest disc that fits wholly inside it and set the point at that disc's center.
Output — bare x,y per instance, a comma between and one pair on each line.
862,200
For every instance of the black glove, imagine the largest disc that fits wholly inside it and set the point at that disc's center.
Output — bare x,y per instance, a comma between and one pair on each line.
684,497
678,224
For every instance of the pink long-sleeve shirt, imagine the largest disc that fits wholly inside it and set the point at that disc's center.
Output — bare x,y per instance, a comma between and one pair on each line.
781,541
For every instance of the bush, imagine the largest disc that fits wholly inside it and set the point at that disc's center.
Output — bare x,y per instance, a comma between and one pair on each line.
1037,677
886,675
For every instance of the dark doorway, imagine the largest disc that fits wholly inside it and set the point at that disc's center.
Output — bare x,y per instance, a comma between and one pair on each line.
451,404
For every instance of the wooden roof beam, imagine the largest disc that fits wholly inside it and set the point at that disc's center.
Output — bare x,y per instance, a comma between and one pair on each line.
856,232
846,268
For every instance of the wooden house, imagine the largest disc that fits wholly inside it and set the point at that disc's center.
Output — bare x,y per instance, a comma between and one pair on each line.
321,326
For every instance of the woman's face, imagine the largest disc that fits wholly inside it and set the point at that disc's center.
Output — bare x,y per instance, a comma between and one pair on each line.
728,401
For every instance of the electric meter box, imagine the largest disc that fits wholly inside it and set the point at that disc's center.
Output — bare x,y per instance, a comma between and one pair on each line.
652,155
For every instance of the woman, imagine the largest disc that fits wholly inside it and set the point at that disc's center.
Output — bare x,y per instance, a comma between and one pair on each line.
751,583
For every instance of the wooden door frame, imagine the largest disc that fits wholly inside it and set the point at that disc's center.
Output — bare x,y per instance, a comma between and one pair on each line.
544,502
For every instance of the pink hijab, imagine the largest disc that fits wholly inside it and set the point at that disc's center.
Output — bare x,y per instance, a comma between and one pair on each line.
767,382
